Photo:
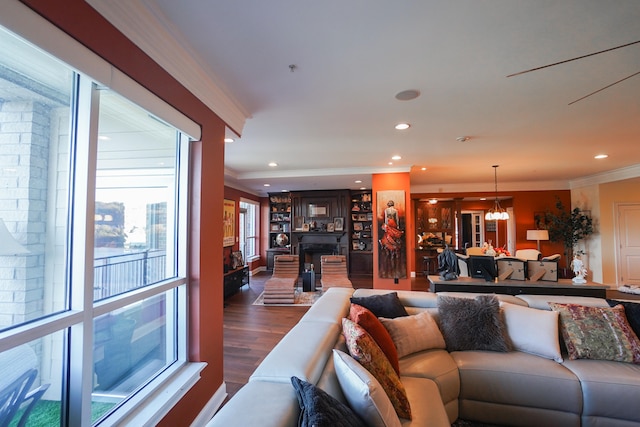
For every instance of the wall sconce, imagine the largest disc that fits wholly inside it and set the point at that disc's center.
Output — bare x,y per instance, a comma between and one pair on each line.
10,246
538,235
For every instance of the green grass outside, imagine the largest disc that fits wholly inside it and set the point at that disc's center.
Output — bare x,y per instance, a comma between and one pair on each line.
46,413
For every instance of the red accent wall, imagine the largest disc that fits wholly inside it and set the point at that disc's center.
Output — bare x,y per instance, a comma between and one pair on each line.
524,204
231,193
84,24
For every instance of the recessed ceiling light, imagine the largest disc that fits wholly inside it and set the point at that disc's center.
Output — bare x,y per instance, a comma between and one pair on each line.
463,138
483,198
390,163
363,188
396,157
601,156
407,95
284,191
229,140
423,169
358,181
273,164
403,126
267,185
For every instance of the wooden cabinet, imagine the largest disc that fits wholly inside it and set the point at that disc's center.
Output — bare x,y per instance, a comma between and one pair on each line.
234,280
271,253
435,223
361,234
279,220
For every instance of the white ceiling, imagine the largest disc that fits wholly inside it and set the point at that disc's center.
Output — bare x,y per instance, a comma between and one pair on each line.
331,121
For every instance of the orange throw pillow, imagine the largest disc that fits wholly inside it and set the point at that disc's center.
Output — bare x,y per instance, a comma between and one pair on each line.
365,318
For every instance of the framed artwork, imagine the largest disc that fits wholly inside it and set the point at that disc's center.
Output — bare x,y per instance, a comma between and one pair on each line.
338,223
390,216
318,210
305,226
298,223
236,259
275,227
330,227
228,223
357,226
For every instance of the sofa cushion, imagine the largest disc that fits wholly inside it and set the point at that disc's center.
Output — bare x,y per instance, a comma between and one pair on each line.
411,334
318,409
364,393
601,333
519,385
365,350
533,331
439,367
611,391
383,305
472,324
632,310
365,318
272,404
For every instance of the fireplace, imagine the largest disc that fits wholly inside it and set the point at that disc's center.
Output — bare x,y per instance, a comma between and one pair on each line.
310,253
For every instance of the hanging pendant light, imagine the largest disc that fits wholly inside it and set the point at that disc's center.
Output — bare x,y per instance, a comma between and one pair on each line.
497,213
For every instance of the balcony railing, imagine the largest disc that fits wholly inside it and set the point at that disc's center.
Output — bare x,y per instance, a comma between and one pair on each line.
116,274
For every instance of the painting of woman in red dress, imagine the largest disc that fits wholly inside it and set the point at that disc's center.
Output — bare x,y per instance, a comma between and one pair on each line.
392,256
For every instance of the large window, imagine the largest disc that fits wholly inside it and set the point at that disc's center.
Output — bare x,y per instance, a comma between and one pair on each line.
92,272
248,228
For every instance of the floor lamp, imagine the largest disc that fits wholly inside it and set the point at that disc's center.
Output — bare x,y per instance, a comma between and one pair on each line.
538,235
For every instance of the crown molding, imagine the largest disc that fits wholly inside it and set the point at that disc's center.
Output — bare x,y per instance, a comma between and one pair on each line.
488,187
149,29
319,172
609,176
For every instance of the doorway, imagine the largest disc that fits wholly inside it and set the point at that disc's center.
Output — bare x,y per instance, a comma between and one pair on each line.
472,231
628,247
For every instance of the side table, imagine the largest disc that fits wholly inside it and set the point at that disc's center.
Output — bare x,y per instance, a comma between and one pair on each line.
309,281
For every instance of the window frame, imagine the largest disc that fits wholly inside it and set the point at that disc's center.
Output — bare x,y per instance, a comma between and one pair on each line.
76,321
255,238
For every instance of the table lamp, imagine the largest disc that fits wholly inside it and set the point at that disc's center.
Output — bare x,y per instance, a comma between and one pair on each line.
8,244
538,235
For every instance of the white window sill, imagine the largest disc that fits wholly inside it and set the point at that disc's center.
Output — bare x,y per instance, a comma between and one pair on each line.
148,407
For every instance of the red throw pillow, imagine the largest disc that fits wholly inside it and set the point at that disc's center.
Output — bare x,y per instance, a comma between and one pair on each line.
365,318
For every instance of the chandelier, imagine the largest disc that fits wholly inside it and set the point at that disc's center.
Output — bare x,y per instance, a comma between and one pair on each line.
497,212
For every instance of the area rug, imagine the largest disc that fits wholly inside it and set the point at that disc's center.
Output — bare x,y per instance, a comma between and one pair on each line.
300,298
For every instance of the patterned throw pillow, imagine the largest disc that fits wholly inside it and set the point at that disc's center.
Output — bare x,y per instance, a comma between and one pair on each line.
365,318
365,350
473,324
599,333
414,333
319,409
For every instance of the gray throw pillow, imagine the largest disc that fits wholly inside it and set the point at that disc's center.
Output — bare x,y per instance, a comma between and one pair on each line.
320,409
473,324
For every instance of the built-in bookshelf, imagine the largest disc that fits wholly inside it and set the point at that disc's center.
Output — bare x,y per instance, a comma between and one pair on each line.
361,249
279,219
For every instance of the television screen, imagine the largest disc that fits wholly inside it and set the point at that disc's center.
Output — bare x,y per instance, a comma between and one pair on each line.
482,267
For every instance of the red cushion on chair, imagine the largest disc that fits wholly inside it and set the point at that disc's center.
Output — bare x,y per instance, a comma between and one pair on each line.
365,318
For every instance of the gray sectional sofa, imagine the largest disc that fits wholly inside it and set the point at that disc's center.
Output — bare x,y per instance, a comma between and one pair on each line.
516,388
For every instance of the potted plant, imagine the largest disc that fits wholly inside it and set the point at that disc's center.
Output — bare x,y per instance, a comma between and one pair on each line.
568,227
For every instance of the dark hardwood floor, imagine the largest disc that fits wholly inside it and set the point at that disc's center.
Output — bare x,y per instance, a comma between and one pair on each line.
251,331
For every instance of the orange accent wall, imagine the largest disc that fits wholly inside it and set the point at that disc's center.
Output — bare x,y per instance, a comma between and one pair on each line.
524,204
84,24
394,181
